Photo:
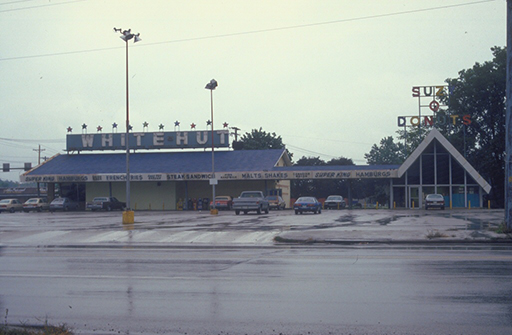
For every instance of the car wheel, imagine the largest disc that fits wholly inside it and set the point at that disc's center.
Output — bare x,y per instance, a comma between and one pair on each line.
296,212
266,210
245,212
426,208
12,210
109,208
319,211
442,208
39,209
237,212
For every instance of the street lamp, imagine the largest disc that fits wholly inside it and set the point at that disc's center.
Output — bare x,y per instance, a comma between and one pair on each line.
211,86
128,215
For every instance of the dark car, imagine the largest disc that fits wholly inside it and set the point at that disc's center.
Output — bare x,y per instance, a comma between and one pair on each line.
275,202
106,203
63,204
434,201
335,202
307,204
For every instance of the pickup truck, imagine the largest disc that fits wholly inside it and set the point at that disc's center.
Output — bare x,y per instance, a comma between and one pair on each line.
106,203
251,201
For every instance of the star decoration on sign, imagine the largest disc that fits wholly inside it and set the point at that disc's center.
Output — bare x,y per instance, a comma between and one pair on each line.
99,128
114,125
161,126
225,125
145,124
70,129
192,126
177,123
84,126
208,122
130,127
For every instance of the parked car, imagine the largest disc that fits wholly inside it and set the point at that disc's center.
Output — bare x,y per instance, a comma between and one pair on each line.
275,202
35,204
434,201
307,204
335,201
63,204
10,205
106,203
222,202
250,201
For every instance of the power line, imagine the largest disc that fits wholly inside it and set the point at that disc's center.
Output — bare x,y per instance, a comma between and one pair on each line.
31,141
13,2
327,139
252,32
38,6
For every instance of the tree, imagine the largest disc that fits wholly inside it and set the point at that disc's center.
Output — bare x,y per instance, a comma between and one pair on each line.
388,152
259,139
304,187
480,92
310,161
340,161
8,183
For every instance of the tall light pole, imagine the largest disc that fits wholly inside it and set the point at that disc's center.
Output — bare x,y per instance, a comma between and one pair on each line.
127,35
211,86
508,114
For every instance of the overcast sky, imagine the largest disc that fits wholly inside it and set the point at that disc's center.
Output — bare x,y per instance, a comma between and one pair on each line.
329,77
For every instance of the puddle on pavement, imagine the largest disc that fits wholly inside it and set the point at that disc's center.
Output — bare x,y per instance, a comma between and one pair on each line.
472,223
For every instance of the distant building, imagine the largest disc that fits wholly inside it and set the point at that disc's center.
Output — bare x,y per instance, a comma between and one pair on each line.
167,180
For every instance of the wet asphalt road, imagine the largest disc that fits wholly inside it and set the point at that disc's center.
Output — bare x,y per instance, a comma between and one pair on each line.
179,273
260,290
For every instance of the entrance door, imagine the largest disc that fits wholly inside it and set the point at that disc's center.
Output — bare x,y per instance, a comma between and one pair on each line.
414,197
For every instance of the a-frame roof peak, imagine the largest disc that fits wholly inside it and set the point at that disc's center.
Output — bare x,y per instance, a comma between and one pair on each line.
435,134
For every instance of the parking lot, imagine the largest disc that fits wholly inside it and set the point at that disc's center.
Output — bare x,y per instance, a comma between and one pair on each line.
226,228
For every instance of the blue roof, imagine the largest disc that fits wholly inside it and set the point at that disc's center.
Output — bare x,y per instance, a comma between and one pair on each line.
160,162
337,167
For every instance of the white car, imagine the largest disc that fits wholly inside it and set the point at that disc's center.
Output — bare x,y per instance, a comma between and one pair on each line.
10,205
334,201
35,204
434,201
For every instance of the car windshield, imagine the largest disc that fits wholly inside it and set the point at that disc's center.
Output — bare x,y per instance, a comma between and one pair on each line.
435,197
334,197
251,195
58,200
31,201
306,199
6,201
221,198
100,199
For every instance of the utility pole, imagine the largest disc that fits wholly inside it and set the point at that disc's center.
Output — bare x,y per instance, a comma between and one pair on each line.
236,132
508,164
39,154
38,163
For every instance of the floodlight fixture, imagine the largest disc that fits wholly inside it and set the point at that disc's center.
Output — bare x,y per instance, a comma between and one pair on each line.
211,85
